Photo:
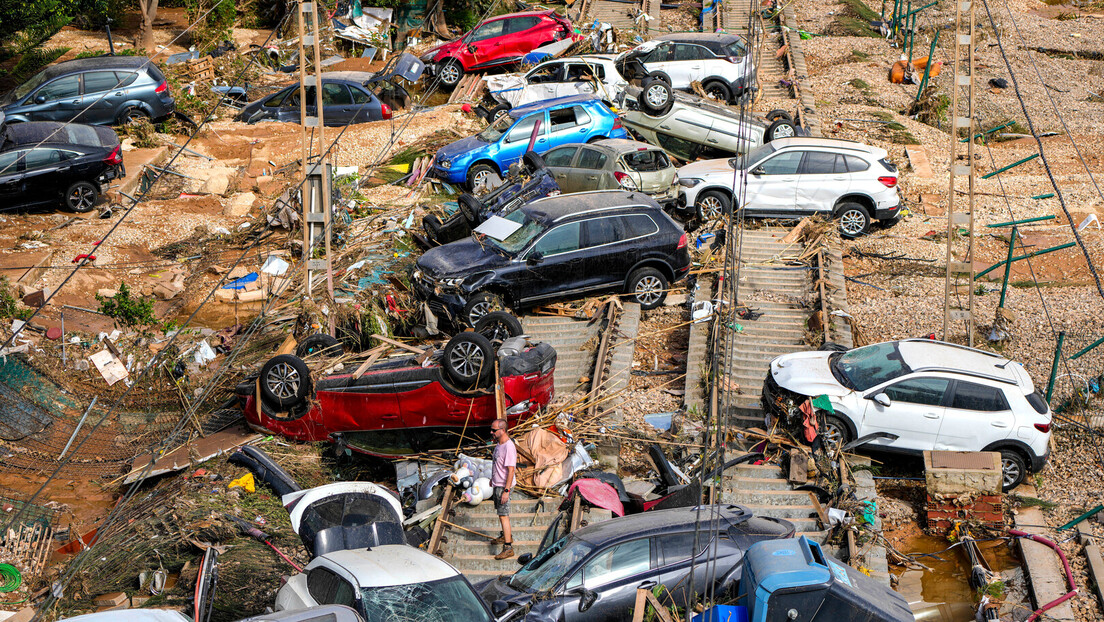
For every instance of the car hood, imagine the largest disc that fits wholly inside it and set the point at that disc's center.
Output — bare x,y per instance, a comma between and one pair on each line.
706,168
807,373
460,147
497,589
448,46
459,258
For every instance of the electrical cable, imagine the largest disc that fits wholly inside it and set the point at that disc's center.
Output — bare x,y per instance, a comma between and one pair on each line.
10,578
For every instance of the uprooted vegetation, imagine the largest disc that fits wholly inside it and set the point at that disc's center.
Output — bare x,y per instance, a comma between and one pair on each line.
853,20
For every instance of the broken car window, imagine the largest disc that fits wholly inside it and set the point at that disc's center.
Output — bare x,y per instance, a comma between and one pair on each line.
552,72
560,157
754,157
862,368
22,90
518,240
646,161
495,130
618,562
545,570
433,601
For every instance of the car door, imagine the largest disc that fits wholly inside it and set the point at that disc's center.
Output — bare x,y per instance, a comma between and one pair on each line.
337,104
370,419
553,264
688,63
59,100
660,59
559,163
590,165
516,140
102,97
545,81
822,179
976,416
327,587
772,185
365,106
45,175
11,180
579,79
608,255
614,574
518,40
569,125
677,553
915,412
487,42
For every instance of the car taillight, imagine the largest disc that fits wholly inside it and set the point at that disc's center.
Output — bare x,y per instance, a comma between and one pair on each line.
617,123
116,156
1042,427
385,110
888,182
625,180
162,88
682,242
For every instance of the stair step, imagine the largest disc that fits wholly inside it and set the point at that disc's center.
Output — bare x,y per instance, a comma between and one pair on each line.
759,483
787,512
768,497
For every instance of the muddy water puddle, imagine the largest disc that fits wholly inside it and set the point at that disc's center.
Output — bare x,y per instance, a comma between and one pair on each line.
943,594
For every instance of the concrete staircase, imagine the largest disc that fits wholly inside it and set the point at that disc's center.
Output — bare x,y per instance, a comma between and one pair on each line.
568,336
765,491
474,556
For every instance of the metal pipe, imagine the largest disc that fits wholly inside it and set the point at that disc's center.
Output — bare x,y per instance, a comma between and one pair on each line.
1013,165
927,68
1086,349
1008,266
1054,365
533,136
1043,196
1023,221
1027,256
79,424
990,131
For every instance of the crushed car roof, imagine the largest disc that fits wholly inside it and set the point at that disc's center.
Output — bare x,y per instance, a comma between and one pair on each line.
550,209
51,132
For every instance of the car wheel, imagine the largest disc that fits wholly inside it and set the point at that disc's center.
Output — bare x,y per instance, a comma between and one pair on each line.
659,75
533,161
655,97
285,381
451,72
648,287
714,205
854,220
719,91
468,359
470,208
829,346
133,114
479,305
82,196
780,128
777,114
1013,469
836,433
319,343
479,176
498,326
496,113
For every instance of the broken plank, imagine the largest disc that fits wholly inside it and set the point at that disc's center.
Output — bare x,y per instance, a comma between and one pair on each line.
918,159
821,512
439,526
799,468
398,344
374,355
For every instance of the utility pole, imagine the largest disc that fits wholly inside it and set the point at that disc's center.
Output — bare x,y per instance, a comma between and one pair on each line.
959,302
316,188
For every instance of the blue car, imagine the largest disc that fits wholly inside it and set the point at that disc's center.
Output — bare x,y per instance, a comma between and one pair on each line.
574,119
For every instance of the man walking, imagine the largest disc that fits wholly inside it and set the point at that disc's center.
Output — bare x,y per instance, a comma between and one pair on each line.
502,479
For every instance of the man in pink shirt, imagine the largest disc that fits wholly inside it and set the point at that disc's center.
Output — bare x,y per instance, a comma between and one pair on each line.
502,479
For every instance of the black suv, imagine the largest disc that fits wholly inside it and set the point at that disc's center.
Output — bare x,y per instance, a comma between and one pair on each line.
106,90
44,164
554,248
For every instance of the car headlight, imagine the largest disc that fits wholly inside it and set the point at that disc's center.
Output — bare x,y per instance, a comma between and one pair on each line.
417,274
690,182
445,163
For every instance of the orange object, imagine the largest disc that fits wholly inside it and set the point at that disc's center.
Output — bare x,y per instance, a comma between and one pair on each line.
897,72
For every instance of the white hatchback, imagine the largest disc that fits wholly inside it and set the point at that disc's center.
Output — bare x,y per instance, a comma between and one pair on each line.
575,75
916,395
718,61
795,177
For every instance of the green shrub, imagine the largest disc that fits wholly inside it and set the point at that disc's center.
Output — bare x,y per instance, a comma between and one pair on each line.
127,310
9,303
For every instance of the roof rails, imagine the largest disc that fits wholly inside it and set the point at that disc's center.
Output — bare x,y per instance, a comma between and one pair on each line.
953,345
964,372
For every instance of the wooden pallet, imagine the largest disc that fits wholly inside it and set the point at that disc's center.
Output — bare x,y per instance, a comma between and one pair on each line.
201,69
468,90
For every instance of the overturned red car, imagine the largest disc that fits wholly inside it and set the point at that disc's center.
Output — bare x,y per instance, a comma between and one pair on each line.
400,406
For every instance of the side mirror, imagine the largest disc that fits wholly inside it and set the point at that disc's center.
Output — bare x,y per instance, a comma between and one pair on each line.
534,258
758,171
40,99
588,598
499,607
524,558
471,48
519,409
882,399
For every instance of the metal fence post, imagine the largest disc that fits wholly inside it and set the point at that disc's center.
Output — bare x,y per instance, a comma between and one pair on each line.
1008,266
1054,366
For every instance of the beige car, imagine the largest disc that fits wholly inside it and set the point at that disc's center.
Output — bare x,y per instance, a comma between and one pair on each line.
614,164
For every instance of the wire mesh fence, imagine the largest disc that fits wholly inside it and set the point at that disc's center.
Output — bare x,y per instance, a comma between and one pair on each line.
1077,373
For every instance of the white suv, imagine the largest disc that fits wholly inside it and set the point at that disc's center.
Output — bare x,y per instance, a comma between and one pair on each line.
795,177
920,395
719,61
577,75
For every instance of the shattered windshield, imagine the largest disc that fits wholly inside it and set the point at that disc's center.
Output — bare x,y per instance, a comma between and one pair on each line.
550,565
495,130
518,240
22,90
433,601
862,368
755,156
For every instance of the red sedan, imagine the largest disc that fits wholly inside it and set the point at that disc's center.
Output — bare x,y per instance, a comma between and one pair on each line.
401,407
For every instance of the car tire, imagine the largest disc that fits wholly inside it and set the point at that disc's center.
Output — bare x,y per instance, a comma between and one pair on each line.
470,208
713,205
1013,469
82,196
450,73
533,161
777,114
285,382
495,113
499,326
854,220
779,128
132,114
656,97
468,359
718,90
648,288
479,305
659,75
320,344
479,175
829,346
836,433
